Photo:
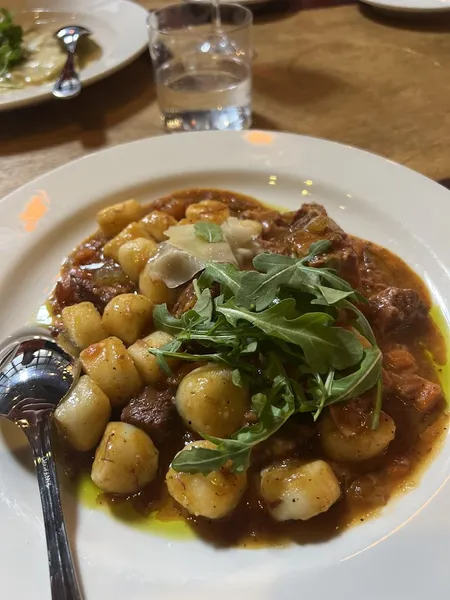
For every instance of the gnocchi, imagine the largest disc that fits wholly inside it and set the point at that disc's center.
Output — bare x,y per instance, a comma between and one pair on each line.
157,223
210,403
292,492
145,362
125,461
208,210
130,232
111,367
127,316
214,495
362,445
155,289
113,219
133,256
83,415
83,324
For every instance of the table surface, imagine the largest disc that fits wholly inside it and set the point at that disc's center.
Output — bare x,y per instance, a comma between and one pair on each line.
346,73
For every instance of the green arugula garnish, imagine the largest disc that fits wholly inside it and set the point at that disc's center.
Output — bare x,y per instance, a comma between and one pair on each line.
277,328
209,232
11,36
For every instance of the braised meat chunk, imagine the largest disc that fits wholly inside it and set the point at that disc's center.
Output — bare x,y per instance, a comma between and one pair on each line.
376,273
154,412
312,223
313,217
418,391
399,360
85,285
395,308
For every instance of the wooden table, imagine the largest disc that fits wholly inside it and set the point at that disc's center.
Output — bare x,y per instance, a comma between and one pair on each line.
338,72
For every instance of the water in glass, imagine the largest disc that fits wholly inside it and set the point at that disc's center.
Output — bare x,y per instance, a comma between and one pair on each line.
213,94
205,85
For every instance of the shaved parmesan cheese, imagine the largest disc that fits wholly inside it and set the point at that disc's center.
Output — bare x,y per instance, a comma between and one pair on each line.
173,265
185,254
184,237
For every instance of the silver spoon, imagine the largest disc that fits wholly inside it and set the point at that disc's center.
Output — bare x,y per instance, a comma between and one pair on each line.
35,373
68,84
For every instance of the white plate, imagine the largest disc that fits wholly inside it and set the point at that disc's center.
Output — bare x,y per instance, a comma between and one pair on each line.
243,2
411,5
117,26
402,553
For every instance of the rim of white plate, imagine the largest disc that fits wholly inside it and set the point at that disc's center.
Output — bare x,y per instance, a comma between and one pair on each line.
422,6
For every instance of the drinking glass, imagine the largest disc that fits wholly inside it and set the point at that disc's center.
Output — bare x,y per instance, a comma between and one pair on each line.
202,65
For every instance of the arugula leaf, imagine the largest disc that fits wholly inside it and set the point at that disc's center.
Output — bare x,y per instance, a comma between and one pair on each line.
204,305
333,296
282,314
162,319
11,36
209,232
367,375
323,346
166,351
361,323
260,288
204,460
316,248
378,404
226,274
236,378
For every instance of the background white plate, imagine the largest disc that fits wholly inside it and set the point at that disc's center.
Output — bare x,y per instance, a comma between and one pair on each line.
118,27
402,553
243,2
411,5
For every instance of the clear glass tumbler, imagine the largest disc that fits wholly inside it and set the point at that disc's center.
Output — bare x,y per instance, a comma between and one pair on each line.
202,63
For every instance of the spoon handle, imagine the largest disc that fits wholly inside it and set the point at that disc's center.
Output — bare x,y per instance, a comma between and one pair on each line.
63,579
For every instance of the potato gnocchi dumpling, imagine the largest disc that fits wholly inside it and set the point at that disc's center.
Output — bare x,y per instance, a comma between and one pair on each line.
83,324
127,316
156,223
132,231
299,491
125,461
111,367
113,219
212,496
155,289
208,210
210,403
133,256
361,445
145,361
83,415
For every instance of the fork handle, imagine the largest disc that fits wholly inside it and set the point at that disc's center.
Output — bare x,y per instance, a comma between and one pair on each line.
68,84
63,579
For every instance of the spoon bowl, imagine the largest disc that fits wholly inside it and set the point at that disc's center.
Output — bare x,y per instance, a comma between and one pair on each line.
35,374
36,370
